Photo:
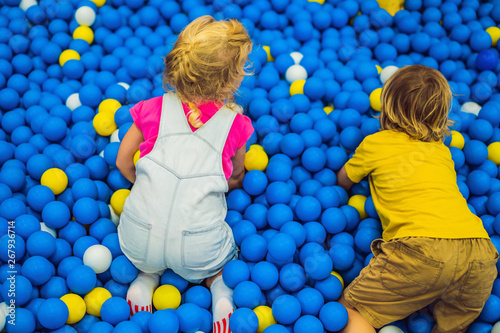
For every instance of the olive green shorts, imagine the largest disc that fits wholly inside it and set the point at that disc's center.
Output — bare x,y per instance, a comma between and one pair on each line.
407,274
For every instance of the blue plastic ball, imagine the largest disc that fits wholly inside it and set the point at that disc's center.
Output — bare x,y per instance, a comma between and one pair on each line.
475,152
243,320
115,310
235,272
37,270
265,275
254,248
282,246
81,280
278,192
480,40
314,88
22,290
25,322
313,159
247,294
334,316
122,270
286,309
292,277
86,210
41,243
308,324
311,301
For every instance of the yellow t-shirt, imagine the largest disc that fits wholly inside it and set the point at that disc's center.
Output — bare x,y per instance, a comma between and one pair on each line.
414,187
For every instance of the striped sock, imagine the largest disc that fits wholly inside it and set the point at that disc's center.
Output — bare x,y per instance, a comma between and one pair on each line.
222,305
140,292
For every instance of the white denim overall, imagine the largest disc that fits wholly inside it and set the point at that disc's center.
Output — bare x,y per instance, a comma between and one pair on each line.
174,216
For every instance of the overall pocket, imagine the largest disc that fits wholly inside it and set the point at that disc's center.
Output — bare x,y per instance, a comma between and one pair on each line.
200,247
134,236
408,272
478,283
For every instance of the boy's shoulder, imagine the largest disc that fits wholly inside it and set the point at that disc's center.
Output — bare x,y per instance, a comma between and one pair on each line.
388,134
382,136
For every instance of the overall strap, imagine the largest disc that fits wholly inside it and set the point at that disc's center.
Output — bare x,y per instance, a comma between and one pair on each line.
217,128
172,120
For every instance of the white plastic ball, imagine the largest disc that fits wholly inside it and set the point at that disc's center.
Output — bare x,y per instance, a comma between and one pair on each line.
295,72
496,328
48,229
124,85
98,257
471,107
390,329
296,56
25,4
114,217
387,72
73,101
4,311
85,16
114,137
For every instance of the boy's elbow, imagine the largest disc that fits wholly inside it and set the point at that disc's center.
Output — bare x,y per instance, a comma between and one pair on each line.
343,180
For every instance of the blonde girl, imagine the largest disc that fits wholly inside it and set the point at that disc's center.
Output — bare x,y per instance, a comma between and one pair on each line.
192,143
434,250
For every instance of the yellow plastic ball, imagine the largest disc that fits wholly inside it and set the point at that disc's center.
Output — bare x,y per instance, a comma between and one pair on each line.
494,152
55,179
268,51
95,299
109,105
337,275
166,297
256,158
457,140
297,87
358,201
328,109
104,123
495,35
265,316
379,69
68,55
76,306
137,155
318,1
85,33
118,200
392,6
375,101
99,3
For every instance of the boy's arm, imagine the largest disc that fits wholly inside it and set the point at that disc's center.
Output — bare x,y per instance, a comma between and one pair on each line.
238,160
128,147
343,180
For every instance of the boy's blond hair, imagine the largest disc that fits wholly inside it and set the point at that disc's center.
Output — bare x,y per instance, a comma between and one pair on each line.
207,63
416,100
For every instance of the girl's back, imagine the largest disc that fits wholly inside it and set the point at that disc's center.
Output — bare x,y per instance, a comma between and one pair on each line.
178,197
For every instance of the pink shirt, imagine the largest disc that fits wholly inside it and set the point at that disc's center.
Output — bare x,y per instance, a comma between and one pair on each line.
146,115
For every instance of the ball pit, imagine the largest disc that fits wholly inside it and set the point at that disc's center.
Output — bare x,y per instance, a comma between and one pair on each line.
69,73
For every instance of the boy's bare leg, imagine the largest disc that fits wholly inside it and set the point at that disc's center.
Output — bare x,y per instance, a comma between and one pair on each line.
356,323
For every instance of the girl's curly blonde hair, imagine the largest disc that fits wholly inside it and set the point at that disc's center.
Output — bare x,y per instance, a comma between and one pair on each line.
416,100
207,63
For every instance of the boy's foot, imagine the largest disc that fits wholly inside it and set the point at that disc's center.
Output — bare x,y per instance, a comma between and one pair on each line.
222,305
140,292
